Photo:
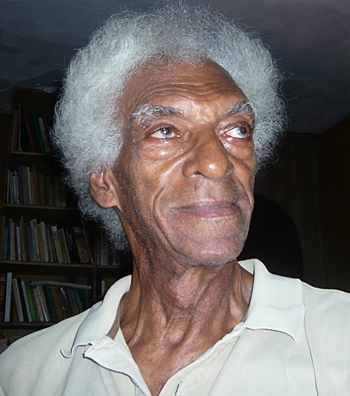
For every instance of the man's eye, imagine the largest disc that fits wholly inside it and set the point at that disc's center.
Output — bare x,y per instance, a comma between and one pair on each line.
163,133
238,132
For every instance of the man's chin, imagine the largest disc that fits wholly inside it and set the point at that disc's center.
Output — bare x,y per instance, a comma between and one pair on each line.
211,257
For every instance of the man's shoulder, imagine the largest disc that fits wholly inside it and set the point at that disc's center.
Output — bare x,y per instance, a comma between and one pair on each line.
326,302
41,345
327,315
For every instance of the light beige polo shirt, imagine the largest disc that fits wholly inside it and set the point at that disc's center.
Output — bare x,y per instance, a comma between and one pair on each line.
294,341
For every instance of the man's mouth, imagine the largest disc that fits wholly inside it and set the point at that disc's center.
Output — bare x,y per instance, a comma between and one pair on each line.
209,209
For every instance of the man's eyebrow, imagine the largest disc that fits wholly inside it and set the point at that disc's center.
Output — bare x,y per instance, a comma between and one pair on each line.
155,111
242,107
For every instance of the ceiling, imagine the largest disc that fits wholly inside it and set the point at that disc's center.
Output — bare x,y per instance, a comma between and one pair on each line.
309,38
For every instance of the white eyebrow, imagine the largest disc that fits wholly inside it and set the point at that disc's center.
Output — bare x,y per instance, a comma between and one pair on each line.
148,110
242,107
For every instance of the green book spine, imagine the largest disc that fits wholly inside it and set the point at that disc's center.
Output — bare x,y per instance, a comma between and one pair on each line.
30,301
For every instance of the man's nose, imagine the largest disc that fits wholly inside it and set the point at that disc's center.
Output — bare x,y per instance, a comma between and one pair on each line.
208,157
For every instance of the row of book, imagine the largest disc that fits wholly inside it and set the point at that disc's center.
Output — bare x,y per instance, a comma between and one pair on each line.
40,301
30,132
105,254
40,242
25,186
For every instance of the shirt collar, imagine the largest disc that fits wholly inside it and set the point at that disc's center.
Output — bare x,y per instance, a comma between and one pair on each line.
101,317
276,304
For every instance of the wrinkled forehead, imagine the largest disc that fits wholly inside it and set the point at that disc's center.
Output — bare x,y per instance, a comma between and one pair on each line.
162,80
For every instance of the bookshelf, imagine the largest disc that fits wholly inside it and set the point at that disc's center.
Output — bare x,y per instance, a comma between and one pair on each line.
37,211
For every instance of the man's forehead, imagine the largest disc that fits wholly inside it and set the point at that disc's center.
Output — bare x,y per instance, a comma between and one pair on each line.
148,89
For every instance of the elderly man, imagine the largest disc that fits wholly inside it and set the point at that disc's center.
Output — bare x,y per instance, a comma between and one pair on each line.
164,119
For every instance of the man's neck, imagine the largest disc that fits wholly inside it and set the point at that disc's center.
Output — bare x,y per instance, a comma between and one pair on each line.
169,320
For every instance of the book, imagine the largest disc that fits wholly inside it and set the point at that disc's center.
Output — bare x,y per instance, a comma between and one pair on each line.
34,234
44,241
26,303
63,243
38,304
22,299
25,138
30,301
44,134
3,282
18,243
43,303
57,244
81,245
8,297
17,300
38,133
51,302
73,301
20,185
26,185
3,238
23,236
40,243
57,302
72,247
14,137
31,129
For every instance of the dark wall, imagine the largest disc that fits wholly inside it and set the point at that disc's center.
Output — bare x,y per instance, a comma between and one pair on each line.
335,165
295,183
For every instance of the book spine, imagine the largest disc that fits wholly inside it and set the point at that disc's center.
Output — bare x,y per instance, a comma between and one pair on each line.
51,302
3,281
44,135
40,242
38,133
43,303
30,301
17,300
64,245
57,303
57,244
35,239
18,243
20,185
8,297
44,241
38,304
26,302
3,238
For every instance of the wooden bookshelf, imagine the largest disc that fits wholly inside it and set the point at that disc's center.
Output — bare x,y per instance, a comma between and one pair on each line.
12,160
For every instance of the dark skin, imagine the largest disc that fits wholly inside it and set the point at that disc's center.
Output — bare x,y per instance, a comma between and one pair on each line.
183,188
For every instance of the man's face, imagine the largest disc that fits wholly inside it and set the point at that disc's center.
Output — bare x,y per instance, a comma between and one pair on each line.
185,172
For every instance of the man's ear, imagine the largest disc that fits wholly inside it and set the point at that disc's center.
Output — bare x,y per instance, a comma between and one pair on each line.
103,187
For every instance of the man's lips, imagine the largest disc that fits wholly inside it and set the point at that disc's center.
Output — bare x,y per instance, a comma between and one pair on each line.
209,209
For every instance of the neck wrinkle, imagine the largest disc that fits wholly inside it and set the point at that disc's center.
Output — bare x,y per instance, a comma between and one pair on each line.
171,306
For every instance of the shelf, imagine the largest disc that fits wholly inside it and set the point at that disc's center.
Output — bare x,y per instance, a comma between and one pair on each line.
41,264
29,154
39,269
25,325
39,207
